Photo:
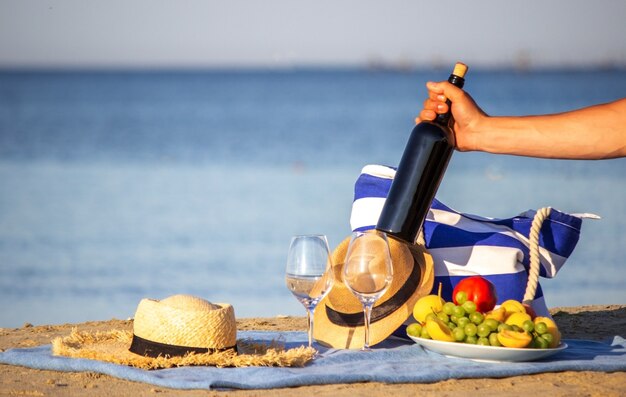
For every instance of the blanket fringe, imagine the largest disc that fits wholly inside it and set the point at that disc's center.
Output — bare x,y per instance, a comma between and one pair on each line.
112,346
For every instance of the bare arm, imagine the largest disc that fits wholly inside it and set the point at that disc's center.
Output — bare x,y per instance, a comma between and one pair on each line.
595,132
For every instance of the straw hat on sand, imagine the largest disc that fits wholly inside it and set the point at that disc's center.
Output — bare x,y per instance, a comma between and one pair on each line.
339,320
177,331
182,324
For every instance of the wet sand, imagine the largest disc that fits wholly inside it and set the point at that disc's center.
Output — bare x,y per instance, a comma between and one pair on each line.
583,322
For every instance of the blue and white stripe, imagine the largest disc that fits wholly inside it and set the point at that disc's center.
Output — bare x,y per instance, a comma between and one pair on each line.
463,244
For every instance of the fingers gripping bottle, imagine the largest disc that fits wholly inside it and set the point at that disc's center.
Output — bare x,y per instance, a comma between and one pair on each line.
421,169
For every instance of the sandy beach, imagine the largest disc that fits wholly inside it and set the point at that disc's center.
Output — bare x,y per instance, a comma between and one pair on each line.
583,322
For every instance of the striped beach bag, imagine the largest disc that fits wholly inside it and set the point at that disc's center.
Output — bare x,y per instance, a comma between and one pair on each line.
464,245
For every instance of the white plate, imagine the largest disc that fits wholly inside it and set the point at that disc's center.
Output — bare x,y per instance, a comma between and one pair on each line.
486,353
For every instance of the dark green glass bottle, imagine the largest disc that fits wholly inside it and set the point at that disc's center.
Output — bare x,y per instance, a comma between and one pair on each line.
419,174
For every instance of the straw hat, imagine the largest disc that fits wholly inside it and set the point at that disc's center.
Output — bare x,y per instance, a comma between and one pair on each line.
182,324
178,331
339,320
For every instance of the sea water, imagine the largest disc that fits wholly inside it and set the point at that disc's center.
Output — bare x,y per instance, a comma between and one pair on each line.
118,186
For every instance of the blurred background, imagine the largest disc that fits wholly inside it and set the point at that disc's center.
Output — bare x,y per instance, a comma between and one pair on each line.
149,148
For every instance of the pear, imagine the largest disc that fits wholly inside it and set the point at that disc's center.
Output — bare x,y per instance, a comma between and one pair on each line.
426,305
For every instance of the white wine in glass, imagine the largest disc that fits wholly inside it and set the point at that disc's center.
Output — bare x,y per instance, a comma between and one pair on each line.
309,274
367,271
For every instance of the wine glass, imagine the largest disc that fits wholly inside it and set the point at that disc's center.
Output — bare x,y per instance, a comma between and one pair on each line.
309,272
367,271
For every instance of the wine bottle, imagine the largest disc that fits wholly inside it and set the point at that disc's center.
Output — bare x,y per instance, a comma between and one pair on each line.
421,169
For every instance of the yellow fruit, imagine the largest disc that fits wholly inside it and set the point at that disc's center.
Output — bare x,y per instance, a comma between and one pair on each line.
514,338
512,306
426,305
438,330
518,319
498,314
552,329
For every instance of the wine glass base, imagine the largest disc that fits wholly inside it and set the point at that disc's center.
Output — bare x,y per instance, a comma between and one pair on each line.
366,349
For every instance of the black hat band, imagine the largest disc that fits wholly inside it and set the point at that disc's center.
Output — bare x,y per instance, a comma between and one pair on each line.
384,309
145,347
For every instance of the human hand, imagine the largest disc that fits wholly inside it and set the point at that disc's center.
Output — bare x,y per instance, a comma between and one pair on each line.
466,113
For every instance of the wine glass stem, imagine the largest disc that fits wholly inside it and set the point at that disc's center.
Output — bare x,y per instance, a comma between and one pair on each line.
309,318
367,311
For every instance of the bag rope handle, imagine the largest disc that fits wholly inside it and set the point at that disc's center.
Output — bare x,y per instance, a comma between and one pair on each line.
533,271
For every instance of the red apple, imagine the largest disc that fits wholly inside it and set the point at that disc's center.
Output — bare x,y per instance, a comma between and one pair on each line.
479,290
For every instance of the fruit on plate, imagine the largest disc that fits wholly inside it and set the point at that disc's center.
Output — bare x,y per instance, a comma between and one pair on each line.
552,329
414,329
478,290
510,338
498,314
463,323
438,330
512,306
426,305
530,310
518,319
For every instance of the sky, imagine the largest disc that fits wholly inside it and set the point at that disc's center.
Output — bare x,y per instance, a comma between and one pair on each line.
291,33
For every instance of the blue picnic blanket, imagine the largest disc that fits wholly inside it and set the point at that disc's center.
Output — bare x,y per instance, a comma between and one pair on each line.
392,361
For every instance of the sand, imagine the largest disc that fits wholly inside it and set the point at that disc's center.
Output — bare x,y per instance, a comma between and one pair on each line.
586,322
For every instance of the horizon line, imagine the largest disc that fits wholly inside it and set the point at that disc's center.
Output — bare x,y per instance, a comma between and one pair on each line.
366,67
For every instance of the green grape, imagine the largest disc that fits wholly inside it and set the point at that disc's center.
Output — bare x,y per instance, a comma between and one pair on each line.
443,317
414,329
451,325
471,339
447,308
425,334
482,341
483,330
492,323
541,328
540,343
461,297
502,326
430,316
462,321
548,337
470,329
516,328
454,319
493,339
476,317
459,311
528,326
469,306
459,334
